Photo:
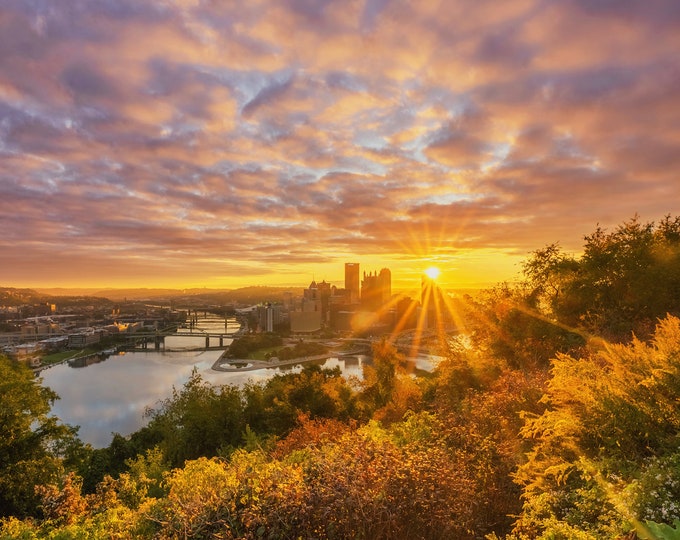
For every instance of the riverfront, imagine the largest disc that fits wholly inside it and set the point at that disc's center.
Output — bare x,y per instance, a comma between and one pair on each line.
111,395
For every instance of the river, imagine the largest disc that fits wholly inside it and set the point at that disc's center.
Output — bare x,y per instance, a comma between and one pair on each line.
110,396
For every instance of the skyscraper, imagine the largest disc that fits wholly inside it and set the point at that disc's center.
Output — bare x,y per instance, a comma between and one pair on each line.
386,285
371,295
352,282
376,289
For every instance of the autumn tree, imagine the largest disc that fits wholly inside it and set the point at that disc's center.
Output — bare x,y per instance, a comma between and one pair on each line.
33,444
625,280
610,428
62,503
387,391
509,322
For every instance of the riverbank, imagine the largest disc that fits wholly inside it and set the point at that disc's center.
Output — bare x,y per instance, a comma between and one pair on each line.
71,356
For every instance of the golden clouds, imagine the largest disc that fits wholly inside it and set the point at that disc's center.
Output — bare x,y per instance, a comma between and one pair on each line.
272,138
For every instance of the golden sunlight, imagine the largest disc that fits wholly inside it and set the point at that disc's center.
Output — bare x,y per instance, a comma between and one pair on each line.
432,272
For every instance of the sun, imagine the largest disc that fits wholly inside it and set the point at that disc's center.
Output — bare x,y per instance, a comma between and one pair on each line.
432,272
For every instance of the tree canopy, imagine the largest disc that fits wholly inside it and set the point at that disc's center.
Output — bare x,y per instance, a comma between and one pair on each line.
624,281
33,444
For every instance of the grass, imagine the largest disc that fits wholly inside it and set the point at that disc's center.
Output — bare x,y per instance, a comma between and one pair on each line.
68,355
259,354
59,356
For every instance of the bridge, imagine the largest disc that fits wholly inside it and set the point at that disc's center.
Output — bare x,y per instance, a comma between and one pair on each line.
142,340
138,340
17,338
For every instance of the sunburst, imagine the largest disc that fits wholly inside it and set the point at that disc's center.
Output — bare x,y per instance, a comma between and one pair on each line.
432,272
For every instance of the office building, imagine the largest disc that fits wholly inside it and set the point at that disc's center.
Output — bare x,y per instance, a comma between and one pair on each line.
376,289
352,282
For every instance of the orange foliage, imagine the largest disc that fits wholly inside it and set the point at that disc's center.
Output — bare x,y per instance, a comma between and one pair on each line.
311,433
66,504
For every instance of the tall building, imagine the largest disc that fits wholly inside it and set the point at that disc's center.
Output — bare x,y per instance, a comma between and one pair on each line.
376,289
310,316
352,282
311,299
325,292
385,277
317,298
269,315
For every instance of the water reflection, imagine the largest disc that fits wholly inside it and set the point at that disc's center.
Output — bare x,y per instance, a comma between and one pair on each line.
111,396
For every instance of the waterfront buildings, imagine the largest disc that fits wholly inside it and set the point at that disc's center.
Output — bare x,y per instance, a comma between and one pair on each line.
309,316
269,315
360,305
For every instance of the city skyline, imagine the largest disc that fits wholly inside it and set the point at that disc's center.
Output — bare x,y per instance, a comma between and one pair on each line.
220,145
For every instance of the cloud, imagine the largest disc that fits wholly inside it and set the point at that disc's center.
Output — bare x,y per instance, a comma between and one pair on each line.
268,93
273,138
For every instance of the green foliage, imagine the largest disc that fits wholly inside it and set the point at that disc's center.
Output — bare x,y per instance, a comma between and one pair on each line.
655,494
625,280
16,529
198,420
33,444
197,502
513,328
145,476
299,350
661,531
576,506
244,345
547,272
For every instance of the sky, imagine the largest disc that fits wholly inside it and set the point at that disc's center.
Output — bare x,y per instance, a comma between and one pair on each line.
189,143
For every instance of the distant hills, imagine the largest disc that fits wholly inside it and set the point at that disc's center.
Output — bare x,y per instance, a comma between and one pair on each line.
120,294
14,297
245,295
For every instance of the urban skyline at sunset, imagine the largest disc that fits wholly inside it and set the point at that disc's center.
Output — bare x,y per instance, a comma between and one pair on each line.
225,144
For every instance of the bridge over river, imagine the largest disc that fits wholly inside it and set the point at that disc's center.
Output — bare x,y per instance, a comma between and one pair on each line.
194,340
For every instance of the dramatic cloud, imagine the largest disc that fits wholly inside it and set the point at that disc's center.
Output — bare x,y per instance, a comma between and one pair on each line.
185,143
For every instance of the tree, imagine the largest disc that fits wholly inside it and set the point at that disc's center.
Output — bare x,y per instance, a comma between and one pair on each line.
33,444
625,281
512,326
63,504
380,379
605,449
546,272
198,420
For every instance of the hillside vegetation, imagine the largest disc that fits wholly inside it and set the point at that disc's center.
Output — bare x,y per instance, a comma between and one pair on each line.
557,417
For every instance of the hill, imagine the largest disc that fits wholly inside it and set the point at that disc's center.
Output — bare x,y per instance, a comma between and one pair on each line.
10,296
244,295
